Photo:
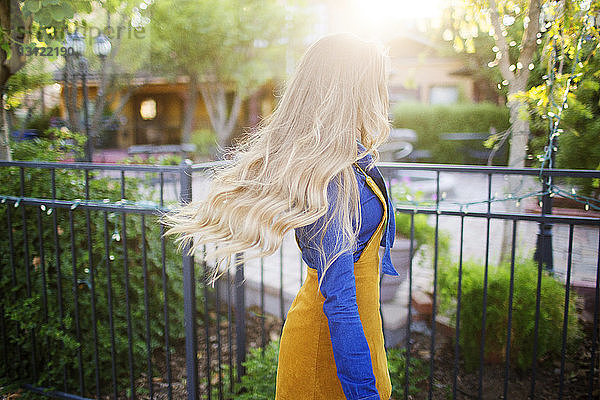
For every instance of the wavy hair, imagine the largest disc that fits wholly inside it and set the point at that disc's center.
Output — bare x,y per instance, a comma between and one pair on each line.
278,175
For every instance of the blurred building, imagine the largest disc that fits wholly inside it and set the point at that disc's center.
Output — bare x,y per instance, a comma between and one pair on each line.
153,111
422,70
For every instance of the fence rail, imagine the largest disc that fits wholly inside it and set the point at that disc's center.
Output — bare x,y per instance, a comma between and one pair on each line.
96,303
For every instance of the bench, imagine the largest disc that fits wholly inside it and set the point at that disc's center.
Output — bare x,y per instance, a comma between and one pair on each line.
465,137
161,149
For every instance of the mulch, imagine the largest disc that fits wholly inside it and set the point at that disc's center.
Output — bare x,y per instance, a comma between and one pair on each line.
576,375
547,382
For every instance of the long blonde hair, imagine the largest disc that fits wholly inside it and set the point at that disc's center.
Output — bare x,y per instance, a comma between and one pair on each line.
278,175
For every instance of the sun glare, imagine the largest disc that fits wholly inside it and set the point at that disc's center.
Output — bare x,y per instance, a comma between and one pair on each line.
382,11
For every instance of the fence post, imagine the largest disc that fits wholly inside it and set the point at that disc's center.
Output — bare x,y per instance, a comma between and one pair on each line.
543,248
189,293
240,315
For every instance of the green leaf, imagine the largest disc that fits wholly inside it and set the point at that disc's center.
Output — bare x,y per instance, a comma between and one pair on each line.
62,12
44,17
34,5
6,48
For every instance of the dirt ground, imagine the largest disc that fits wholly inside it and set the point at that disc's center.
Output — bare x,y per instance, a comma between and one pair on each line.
576,381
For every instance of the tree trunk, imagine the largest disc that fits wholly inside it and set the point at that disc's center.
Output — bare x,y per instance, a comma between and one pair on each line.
517,83
222,118
519,122
5,153
254,109
189,116
12,23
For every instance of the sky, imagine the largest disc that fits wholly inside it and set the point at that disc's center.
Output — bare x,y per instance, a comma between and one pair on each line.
378,17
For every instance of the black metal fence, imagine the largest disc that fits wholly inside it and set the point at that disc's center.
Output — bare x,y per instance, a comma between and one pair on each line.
489,209
96,303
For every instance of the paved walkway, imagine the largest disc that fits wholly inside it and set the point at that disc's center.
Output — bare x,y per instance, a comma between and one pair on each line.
473,187
465,188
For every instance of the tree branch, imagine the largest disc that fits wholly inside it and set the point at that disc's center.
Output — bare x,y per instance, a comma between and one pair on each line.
117,112
208,103
504,62
235,111
529,40
11,19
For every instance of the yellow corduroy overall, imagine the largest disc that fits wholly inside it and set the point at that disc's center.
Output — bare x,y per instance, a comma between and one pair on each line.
306,367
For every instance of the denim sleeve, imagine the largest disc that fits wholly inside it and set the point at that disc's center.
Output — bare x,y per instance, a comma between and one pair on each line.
350,347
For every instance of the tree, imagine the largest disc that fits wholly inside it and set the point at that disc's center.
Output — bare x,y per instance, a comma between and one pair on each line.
45,23
117,70
524,33
514,26
224,47
20,22
571,61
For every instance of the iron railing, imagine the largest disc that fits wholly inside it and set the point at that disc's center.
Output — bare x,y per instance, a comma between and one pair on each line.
215,325
437,209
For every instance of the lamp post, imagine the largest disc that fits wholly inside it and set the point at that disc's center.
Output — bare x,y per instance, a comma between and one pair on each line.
101,48
68,44
78,44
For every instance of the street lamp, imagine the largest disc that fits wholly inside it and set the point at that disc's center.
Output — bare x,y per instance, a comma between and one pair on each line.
78,44
101,46
75,45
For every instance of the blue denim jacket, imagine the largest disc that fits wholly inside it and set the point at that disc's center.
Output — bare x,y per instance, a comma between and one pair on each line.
350,348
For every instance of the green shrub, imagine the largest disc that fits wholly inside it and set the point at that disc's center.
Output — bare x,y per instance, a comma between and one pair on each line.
205,141
430,121
41,121
523,314
261,372
23,312
417,373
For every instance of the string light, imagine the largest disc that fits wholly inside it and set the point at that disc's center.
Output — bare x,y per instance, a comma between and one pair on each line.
588,202
553,190
146,205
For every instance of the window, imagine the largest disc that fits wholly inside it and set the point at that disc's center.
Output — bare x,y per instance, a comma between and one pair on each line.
148,109
443,94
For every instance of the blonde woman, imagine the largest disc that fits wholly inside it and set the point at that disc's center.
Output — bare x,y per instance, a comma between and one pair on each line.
310,167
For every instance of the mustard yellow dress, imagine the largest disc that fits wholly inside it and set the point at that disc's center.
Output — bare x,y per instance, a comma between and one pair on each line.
306,367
